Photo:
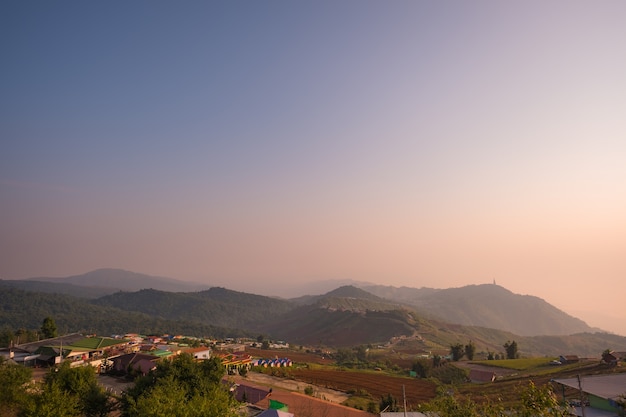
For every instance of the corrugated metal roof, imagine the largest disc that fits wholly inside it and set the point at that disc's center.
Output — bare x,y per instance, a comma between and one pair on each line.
603,386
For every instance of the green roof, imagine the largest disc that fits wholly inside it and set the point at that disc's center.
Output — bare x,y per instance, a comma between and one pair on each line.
93,343
161,353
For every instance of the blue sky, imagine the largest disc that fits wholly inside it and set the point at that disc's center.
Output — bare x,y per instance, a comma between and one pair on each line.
407,143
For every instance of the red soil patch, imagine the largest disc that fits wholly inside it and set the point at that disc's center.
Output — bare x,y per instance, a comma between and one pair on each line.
377,385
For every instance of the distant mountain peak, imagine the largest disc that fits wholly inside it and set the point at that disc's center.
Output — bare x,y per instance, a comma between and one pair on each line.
350,291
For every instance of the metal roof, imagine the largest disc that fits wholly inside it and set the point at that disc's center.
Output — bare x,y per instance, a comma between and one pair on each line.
603,386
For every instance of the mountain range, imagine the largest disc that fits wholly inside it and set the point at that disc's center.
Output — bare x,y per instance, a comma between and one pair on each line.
488,314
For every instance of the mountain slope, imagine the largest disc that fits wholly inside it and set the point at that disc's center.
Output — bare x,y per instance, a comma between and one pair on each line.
490,306
345,316
27,309
218,306
317,324
348,297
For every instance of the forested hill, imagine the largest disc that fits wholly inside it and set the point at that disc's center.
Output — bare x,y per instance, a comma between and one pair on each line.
21,309
488,305
339,322
218,306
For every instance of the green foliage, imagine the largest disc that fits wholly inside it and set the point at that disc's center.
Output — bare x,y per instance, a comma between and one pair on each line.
437,361
470,349
53,401
14,381
345,357
423,367
535,402
389,404
447,405
308,390
181,387
372,407
81,384
48,328
511,349
19,311
216,305
457,351
541,402
522,364
449,374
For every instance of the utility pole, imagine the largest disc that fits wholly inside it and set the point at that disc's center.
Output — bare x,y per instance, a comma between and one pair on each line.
404,399
582,398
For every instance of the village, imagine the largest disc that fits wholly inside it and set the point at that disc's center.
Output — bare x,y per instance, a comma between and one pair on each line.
119,359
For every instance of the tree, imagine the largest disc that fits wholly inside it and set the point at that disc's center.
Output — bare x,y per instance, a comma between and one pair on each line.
437,361
53,401
535,402
470,349
48,328
361,353
389,404
541,402
448,405
14,380
345,357
457,351
81,384
511,349
181,387
422,367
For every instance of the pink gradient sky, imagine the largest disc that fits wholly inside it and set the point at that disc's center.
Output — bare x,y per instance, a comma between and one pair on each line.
254,145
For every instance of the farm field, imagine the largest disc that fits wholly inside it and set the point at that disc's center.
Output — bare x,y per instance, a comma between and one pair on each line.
517,364
294,355
376,384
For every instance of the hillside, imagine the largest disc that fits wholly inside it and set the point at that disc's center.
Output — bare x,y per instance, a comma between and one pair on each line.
315,325
348,297
489,306
27,309
218,306
332,321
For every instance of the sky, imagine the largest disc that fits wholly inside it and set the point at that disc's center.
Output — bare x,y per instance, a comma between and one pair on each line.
255,145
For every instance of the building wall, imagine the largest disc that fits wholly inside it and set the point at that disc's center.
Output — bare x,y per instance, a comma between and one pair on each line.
601,403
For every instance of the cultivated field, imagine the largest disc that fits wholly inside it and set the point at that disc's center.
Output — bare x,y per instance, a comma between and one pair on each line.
376,384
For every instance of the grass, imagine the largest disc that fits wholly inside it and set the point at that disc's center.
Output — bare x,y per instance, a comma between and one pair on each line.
524,364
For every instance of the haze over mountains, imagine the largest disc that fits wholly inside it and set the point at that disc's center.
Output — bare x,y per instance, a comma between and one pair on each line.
108,300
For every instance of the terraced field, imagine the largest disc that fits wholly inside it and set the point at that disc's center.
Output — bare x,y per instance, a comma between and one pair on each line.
376,384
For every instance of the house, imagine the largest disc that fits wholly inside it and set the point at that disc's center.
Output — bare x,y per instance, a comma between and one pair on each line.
19,356
199,353
480,376
130,361
74,347
610,358
603,391
249,393
568,359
